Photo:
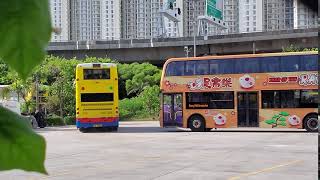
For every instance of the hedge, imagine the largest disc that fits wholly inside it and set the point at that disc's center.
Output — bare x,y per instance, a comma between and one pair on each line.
55,121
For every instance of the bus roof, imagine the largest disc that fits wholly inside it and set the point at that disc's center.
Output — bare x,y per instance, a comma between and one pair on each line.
90,65
242,56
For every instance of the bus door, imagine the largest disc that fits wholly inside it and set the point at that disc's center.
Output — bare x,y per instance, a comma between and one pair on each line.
248,109
172,110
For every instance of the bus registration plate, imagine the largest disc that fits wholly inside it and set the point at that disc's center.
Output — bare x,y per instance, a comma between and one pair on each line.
97,125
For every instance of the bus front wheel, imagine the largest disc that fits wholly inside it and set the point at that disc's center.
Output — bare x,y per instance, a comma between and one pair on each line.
311,123
196,123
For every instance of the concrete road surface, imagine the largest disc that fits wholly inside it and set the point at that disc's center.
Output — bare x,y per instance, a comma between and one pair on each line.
142,150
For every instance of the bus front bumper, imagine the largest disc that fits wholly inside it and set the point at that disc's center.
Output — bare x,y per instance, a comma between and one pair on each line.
97,122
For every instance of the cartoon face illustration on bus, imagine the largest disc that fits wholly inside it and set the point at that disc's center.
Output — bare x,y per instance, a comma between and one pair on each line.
246,81
294,120
197,84
220,119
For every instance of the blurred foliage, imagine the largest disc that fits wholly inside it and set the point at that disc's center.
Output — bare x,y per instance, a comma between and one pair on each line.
25,32
4,70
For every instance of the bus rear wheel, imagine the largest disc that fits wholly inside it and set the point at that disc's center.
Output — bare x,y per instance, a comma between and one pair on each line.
115,128
311,123
83,130
196,123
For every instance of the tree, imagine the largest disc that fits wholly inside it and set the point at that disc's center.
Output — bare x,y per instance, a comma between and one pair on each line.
140,76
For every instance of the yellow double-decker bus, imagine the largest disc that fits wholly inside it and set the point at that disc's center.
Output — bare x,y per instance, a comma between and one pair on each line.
275,90
97,97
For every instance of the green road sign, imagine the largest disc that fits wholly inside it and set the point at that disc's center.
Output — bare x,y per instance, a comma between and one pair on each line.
212,9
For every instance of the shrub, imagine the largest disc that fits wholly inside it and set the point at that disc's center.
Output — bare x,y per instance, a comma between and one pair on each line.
55,121
151,100
70,120
130,108
146,105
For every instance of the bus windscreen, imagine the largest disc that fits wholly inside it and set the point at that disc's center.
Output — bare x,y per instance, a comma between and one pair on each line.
90,74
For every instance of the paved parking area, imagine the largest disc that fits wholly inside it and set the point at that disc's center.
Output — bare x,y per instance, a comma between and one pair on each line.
142,150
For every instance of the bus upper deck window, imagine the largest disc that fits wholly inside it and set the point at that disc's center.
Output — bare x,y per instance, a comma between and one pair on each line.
175,69
309,62
96,74
290,63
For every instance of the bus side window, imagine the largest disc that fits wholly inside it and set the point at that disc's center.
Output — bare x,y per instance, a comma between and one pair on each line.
290,63
190,68
269,64
202,67
270,99
249,65
225,66
213,67
309,62
175,69
309,98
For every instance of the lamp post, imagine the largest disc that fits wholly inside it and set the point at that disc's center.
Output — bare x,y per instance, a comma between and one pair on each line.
194,42
187,50
195,27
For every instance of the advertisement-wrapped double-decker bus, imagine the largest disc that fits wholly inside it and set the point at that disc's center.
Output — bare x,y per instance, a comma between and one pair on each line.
274,90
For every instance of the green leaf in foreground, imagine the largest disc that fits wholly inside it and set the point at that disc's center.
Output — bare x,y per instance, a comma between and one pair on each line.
25,31
21,147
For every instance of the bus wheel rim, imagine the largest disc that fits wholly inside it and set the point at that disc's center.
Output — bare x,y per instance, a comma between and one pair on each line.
196,123
313,123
